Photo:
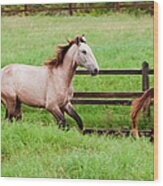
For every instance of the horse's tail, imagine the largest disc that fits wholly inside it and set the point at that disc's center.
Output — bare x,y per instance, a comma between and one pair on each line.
139,104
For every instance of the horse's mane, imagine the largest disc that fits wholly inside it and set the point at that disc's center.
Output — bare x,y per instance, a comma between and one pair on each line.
62,50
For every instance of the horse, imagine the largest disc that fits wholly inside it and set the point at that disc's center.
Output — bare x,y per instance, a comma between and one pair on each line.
48,86
137,105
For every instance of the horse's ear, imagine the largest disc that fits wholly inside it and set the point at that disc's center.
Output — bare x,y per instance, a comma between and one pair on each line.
77,40
68,41
83,39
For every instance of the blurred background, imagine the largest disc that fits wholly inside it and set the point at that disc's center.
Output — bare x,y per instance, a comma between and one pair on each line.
95,9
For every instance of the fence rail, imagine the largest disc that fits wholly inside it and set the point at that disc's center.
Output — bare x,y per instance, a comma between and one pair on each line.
122,132
83,97
71,8
118,72
101,102
107,94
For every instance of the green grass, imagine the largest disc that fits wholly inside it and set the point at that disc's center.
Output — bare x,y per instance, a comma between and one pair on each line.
41,151
35,147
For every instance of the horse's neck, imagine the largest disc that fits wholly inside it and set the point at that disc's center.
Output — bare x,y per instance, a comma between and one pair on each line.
68,68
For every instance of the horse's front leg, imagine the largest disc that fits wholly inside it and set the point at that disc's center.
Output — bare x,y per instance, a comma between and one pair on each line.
59,115
71,112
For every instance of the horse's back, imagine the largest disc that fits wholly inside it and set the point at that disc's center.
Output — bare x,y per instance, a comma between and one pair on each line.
24,81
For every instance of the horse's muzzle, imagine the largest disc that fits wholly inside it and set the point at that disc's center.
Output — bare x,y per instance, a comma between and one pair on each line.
94,72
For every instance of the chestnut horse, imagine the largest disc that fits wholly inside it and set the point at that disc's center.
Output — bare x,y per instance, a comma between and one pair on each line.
48,86
137,105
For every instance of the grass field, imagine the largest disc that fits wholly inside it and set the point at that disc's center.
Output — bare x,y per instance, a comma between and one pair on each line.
35,147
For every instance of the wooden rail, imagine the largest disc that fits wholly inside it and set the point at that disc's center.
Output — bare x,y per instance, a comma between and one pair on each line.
107,94
104,95
148,132
122,132
70,8
101,102
116,72
84,97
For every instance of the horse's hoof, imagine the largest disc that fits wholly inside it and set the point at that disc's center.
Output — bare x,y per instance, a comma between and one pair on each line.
64,128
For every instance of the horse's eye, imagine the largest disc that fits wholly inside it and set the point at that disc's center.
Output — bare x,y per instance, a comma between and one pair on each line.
84,52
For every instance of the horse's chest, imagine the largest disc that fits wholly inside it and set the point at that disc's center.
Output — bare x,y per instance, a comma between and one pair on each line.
58,94
59,98
63,98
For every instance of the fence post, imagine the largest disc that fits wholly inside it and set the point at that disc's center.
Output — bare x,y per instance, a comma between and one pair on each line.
145,81
70,9
145,78
117,7
25,10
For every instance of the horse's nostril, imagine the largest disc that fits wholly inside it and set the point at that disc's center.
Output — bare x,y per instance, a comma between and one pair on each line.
95,70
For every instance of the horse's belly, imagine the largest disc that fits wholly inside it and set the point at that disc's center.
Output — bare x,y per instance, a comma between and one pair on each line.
32,98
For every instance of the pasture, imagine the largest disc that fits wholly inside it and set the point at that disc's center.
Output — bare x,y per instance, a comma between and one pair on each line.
35,147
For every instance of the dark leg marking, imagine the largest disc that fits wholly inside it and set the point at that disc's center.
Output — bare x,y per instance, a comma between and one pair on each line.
6,114
18,113
59,115
71,112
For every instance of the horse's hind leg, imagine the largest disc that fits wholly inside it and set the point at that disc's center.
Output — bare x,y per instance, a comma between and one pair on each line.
18,113
10,109
134,118
3,101
12,104
6,114
13,107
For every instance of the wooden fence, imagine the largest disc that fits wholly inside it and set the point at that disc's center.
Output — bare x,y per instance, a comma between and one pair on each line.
82,97
72,7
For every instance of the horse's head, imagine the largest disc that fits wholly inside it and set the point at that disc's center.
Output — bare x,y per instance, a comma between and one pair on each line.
84,56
